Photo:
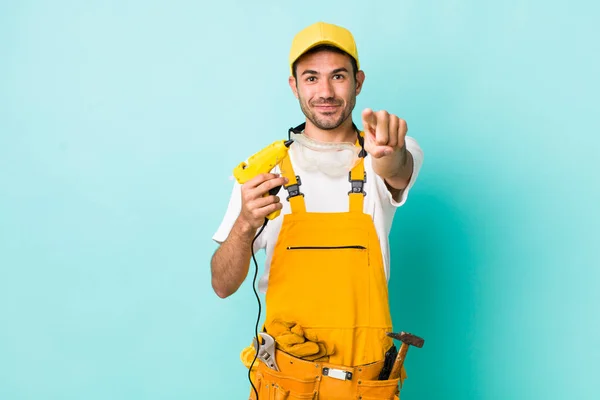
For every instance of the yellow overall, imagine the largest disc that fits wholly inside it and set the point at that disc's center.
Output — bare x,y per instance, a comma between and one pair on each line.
327,276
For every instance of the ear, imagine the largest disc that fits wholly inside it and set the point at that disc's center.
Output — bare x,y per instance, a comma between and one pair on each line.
360,78
292,82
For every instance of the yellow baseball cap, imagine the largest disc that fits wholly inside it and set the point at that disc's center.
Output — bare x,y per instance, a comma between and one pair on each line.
322,33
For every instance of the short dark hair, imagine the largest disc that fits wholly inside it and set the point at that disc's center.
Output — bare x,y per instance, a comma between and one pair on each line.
325,47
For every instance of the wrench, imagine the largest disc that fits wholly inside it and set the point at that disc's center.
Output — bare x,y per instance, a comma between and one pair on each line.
266,351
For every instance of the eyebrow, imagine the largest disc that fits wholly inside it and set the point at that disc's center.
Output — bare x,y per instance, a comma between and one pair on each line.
338,70
335,71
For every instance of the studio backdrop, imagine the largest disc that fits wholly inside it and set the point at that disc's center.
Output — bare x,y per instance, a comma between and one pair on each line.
121,123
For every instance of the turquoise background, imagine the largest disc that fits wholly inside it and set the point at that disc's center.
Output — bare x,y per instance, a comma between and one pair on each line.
120,123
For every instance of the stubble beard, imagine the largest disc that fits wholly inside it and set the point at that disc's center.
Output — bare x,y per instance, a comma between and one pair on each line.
325,123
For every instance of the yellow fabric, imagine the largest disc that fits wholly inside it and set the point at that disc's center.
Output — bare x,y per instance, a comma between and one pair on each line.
338,296
326,305
291,338
322,33
248,353
296,203
299,379
356,199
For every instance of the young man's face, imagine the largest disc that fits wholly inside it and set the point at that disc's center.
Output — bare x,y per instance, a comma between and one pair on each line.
326,88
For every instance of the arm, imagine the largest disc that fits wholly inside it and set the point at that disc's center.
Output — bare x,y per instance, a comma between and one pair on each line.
229,264
396,172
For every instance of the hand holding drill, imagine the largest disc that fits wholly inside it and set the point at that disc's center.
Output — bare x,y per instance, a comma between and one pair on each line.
259,199
260,186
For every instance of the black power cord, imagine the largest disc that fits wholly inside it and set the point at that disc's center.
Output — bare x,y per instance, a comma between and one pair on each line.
272,192
259,306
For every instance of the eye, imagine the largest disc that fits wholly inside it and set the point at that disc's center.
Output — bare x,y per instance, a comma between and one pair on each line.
338,76
311,79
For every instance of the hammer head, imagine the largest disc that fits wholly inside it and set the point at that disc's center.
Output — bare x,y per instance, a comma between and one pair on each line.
407,338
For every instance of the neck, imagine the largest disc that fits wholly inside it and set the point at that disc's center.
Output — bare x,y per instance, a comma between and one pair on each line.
343,133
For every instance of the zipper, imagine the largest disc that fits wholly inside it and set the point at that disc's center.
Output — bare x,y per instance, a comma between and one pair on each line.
325,247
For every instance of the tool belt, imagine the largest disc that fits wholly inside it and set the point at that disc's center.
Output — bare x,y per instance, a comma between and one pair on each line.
300,379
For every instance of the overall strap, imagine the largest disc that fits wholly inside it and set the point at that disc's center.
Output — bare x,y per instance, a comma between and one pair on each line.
295,198
357,178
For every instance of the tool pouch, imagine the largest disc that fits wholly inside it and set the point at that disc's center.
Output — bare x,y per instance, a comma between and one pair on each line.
273,385
378,390
299,379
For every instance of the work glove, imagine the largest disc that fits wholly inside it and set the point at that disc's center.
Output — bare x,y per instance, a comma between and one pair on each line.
325,349
291,338
247,355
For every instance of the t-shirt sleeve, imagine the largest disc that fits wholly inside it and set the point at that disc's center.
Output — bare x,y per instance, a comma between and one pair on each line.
233,210
415,150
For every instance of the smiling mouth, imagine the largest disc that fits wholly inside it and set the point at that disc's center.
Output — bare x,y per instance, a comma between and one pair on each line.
326,108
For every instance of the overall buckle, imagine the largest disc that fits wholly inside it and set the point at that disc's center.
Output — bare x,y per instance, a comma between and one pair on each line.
357,184
294,190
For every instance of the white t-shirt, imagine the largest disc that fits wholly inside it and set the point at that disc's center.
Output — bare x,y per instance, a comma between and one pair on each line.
323,193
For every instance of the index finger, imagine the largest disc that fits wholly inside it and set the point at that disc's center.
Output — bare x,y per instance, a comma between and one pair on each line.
369,120
260,179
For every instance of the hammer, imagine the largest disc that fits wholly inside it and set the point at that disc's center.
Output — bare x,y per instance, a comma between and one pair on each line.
407,339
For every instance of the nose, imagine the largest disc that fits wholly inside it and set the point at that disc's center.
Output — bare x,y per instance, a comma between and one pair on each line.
326,89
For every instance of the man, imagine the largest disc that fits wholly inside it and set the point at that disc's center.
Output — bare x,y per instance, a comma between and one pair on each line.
327,255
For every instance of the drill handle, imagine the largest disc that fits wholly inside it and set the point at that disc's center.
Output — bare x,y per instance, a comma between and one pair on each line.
262,162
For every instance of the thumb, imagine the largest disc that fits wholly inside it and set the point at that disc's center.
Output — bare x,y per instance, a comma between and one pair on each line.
379,151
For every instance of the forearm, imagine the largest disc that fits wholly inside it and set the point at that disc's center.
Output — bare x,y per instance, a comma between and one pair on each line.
229,264
396,169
